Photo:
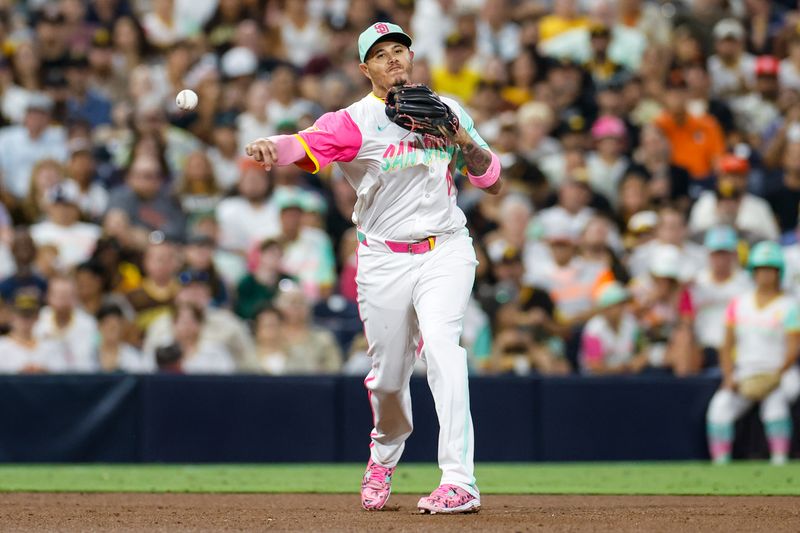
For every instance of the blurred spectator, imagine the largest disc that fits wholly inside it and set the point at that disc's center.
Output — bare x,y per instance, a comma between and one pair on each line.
112,353
303,35
570,280
22,146
63,322
162,28
612,342
701,101
195,354
672,230
25,276
758,109
666,312
564,17
84,103
308,254
20,351
732,69
310,350
606,164
696,140
789,69
220,326
253,122
714,288
456,77
81,169
199,257
252,214
667,182
785,202
159,286
731,204
271,347
74,240
146,201
197,188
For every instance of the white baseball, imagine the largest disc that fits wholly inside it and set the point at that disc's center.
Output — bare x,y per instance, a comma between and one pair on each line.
186,99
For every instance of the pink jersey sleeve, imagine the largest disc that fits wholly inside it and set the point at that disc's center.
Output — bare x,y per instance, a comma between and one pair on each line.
730,313
685,304
333,137
591,349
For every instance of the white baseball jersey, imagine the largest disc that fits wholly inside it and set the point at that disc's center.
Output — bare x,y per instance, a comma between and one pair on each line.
403,180
761,332
602,343
710,299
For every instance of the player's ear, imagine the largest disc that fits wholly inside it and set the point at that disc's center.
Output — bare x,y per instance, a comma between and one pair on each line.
364,70
411,54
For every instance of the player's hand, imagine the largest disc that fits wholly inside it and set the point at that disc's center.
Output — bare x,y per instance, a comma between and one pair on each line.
264,151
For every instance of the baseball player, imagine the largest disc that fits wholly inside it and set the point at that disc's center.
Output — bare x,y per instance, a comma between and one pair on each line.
758,359
416,263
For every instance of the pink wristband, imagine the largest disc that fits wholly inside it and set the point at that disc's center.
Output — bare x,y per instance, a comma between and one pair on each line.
488,178
290,149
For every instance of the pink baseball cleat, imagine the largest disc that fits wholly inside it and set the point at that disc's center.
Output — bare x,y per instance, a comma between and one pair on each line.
376,486
449,499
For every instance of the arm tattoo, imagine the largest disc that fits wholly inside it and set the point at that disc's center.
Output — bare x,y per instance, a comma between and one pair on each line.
477,159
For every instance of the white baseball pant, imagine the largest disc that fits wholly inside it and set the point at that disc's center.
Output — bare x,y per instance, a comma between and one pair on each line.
402,296
727,406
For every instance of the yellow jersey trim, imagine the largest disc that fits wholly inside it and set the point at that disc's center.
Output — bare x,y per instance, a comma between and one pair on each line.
308,153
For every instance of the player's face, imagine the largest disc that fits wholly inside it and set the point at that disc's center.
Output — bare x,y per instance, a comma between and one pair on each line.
766,278
389,64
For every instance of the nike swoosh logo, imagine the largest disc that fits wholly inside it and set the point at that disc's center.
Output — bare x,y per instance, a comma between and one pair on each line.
384,127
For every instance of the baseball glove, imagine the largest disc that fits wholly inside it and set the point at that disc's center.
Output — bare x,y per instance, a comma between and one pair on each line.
419,110
758,387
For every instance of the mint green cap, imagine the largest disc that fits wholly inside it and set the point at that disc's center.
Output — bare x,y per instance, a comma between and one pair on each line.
378,32
610,294
721,238
767,254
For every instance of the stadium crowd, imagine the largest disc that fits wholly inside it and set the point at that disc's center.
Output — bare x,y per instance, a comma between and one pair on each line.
645,147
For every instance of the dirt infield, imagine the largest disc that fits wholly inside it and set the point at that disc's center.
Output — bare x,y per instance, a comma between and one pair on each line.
296,512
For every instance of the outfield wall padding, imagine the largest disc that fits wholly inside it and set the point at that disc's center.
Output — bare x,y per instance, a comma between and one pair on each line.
202,419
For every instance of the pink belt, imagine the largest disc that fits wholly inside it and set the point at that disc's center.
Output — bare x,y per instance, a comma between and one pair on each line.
419,247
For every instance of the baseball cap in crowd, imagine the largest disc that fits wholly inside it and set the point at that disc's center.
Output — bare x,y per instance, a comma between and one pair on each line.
313,202
65,192
190,276
767,66
101,38
200,239
572,121
729,29
238,61
642,222
721,239
599,29
39,102
733,164
79,145
610,294
665,261
559,227
608,126
380,31
288,198
26,303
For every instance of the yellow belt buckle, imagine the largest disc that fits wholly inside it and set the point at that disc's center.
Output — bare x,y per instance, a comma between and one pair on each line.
432,242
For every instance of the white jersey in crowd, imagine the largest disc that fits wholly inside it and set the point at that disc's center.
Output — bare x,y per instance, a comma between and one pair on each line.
412,172
77,339
16,356
761,332
601,343
710,300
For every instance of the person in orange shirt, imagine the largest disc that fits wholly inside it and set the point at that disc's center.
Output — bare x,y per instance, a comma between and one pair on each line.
696,140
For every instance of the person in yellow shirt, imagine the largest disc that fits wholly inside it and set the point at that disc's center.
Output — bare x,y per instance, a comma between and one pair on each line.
565,17
455,77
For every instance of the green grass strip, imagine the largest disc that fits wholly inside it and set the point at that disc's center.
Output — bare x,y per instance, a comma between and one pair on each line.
745,478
